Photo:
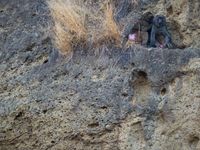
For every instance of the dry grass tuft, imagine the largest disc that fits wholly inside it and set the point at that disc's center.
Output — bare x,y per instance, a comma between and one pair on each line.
75,24
110,28
69,14
62,39
108,31
136,2
69,23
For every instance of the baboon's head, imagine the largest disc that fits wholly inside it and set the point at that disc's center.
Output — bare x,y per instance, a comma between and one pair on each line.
159,21
148,16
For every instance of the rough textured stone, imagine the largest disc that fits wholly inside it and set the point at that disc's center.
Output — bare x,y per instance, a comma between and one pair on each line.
182,17
134,98
183,20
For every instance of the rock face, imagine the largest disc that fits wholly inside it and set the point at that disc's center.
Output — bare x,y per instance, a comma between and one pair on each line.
183,17
110,99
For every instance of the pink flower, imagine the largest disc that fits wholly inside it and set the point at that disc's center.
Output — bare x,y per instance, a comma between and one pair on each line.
161,46
132,37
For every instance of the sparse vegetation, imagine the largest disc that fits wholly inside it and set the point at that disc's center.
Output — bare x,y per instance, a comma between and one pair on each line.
76,23
69,25
110,31
62,38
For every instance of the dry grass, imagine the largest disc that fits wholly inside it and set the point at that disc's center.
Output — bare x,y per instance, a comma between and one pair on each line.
110,27
136,2
77,24
108,31
62,39
69,23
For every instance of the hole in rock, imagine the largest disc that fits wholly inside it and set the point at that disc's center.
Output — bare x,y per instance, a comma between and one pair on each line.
193,141
124,94
52,142
93,125
46,61
44,111
142,74
163,91
19,115
170,10
104,107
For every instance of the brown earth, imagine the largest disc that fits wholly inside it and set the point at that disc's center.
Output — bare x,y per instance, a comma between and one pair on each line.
108,99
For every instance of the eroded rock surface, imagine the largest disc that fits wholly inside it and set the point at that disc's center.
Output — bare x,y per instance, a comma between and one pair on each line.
109,99
183,18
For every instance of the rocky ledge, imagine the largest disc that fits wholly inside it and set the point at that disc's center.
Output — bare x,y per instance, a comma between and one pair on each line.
111,98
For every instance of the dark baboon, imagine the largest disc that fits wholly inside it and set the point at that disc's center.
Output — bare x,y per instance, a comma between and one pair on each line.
159,30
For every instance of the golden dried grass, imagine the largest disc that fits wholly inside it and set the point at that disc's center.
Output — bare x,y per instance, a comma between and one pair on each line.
77,24
69,25
110,29
62,39
108,32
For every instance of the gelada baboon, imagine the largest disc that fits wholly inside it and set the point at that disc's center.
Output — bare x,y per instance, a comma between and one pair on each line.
142,25
159,30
